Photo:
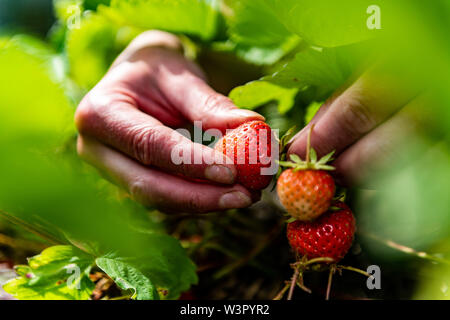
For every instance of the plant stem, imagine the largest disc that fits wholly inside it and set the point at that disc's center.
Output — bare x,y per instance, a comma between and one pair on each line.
302,285
364,273
281,293
317,260
20,243
330,279
127,297
29,227
293,282
308,143
407,250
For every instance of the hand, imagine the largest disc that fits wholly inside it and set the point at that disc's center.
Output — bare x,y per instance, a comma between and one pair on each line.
125,129
373,124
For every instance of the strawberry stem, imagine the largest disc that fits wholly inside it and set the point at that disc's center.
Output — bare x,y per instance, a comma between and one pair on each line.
301,284
318,260
330,279
308,144
293,282
282,292
364,273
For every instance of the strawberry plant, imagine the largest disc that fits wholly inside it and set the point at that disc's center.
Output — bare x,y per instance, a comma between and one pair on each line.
85,239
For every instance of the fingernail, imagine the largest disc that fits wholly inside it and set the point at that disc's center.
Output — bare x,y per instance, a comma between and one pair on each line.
246,114
235,199
219,174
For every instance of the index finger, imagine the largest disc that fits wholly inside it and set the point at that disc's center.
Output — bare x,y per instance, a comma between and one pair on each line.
369,101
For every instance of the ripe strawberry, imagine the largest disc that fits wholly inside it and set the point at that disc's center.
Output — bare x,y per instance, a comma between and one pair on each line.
331,235
306,189
249,146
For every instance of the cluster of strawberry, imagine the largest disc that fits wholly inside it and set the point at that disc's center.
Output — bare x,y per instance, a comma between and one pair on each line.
321,227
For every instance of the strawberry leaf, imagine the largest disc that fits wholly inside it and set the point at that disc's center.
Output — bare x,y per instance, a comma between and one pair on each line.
326,158
164,265
295,158
126,276
256,93
313,155
288,164
58,273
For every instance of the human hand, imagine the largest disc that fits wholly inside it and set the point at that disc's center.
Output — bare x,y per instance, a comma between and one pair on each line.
126,122
374,123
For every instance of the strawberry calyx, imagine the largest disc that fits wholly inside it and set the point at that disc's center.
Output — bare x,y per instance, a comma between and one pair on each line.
311,162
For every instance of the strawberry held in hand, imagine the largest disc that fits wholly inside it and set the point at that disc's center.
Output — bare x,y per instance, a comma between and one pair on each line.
249,146
306,188
331,235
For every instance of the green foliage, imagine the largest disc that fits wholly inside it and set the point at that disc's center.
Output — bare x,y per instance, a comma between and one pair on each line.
64,9
306,50
58,273
44,186
257,93
45,119
256,42
91,49
325,23
162,265
319,70
197,18
311,111
166,264
128,277
324,69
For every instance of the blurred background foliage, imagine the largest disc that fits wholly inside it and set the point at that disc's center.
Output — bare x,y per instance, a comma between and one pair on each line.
299,52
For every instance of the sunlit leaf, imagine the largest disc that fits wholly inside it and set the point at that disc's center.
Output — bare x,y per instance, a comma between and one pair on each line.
256,93
58,273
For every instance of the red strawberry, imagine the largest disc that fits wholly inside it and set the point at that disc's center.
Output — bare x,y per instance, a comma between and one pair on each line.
331,235
306,189
249,146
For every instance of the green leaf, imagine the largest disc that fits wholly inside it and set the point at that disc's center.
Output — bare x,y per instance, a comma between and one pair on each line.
325,23
260,37
257,93
254,23
263,55
58,273
127,277
325,69
284,140
164,264
93,4
64,9
198,18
